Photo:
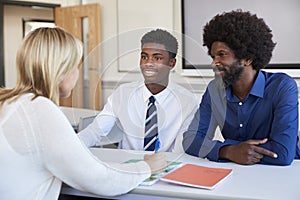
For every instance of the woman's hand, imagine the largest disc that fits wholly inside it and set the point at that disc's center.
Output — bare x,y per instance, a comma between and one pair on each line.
156,161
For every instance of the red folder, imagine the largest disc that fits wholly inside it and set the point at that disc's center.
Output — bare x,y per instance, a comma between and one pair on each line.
197,176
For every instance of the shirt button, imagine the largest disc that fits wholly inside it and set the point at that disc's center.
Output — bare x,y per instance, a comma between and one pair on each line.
240,103
241,125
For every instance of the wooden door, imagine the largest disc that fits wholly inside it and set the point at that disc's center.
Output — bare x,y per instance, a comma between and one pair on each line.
71,19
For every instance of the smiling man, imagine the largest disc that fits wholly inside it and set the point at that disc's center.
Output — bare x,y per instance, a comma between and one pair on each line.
150,110
256,111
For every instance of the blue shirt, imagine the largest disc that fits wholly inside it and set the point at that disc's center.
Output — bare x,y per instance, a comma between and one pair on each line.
269,111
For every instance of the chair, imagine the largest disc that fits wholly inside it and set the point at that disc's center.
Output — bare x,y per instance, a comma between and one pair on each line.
111,140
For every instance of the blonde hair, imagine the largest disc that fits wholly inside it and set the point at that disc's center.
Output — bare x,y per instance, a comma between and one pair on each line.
44,57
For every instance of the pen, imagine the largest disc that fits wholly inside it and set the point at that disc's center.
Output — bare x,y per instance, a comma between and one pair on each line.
157,145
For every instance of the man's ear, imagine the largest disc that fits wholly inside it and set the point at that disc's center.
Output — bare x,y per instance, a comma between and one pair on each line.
172,63
247,62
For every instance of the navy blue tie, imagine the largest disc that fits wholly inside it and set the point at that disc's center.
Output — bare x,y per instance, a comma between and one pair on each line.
151,130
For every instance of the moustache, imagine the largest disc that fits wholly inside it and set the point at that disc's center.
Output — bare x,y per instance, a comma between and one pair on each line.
218,69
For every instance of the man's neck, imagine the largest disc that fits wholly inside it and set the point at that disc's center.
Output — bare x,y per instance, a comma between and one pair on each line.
155,88
244,85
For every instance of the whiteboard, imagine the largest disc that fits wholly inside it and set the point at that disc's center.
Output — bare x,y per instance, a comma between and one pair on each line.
283,17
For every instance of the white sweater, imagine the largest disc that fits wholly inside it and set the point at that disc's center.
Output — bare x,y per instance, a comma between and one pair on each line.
39,150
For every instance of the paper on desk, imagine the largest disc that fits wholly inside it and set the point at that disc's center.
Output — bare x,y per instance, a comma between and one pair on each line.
171,165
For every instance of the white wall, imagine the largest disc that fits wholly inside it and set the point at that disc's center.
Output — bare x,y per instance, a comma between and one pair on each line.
13,35
111,74
110,27
13,32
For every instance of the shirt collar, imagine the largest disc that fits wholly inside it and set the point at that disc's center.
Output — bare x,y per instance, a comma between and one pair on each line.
258,88
159,98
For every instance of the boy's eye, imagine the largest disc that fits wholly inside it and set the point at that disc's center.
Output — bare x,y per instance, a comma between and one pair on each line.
221,54
157,58
143,57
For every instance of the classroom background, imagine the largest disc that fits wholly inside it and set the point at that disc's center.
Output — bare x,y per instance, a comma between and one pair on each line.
111,31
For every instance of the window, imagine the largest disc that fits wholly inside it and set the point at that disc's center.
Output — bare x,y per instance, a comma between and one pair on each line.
31,24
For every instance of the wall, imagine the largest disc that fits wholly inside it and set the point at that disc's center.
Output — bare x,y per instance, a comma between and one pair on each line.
111,74
13,30
14,27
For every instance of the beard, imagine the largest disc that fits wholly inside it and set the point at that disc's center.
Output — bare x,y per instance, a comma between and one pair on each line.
232,73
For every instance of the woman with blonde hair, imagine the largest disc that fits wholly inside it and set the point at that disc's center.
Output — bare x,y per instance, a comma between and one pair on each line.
38,147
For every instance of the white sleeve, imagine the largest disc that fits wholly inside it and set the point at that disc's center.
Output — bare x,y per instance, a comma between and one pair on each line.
69,160
190,109
100,127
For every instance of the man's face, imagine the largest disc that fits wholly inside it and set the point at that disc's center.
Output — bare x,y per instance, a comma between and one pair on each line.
225,65
155,63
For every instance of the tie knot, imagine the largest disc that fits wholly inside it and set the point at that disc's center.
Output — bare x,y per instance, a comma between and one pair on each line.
152,99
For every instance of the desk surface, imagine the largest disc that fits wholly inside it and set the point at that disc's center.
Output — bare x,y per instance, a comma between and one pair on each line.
246,182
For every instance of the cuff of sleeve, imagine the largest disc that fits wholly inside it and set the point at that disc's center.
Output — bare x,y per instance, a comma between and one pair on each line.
213,155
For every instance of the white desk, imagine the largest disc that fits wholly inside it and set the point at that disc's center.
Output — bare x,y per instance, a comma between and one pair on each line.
246,182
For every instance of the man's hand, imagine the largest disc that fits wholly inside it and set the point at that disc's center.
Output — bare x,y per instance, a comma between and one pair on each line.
246,153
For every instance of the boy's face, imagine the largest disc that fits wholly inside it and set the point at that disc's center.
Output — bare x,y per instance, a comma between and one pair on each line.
155,63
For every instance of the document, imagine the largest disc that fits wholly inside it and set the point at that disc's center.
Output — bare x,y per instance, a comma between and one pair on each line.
197,176
171,165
